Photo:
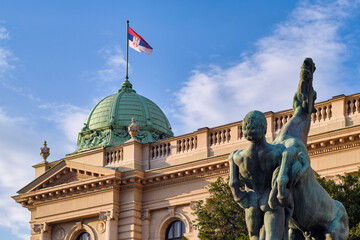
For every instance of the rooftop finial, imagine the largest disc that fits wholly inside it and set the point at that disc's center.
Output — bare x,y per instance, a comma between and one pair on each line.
45,151
126,86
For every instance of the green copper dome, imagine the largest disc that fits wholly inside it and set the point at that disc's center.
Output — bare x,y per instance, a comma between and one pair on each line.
107,123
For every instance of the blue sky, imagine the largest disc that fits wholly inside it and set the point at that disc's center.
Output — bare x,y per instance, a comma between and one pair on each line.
212,62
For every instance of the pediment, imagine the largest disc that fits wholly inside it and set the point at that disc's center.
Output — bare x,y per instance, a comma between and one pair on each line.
66,172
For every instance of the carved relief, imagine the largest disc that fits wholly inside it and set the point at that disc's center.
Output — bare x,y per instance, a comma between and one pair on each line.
101,227
59,234
171,211
193,205
94,139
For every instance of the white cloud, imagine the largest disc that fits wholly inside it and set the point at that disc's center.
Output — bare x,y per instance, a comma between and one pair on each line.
5,55
19,150
114,69
267,78
4,34
69,119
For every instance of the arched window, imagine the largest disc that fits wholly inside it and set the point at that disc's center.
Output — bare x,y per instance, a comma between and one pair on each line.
84,236
175,230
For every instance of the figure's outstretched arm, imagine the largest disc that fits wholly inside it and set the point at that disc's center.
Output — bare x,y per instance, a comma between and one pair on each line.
241,197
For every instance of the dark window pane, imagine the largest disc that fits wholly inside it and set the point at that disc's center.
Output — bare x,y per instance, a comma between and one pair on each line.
177,229
84,236
170,232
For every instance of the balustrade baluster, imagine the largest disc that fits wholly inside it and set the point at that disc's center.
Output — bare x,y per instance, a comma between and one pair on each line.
152,152
313,117
112,157
165,149
278,123
348,107
318,114
240,135
117,156
329,112
323,113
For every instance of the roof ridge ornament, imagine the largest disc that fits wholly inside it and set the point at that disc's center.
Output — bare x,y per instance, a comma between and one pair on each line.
133,129
45,151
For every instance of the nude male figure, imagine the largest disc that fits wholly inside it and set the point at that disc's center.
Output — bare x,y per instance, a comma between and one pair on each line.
255,165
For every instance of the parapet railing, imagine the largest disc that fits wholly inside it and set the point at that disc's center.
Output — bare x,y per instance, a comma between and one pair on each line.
324,112
280,119
158,150
352,104
337,111
114,155
219,136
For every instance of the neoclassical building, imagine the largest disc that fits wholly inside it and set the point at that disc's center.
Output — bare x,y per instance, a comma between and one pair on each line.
144,183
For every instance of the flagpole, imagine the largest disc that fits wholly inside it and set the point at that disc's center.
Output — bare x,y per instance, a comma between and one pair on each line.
127,49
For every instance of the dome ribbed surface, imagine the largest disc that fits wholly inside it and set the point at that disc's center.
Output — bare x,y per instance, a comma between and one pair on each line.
108,121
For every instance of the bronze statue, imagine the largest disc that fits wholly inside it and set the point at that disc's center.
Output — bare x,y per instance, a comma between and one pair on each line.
281,191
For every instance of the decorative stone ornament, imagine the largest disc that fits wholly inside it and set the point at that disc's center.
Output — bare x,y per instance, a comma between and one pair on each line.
101,227
193,205
59,234
133,129
45,151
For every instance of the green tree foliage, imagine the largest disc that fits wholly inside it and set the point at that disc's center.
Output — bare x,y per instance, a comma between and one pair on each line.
219,217
347,191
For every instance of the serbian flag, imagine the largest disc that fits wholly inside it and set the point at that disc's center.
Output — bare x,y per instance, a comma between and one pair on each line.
138,43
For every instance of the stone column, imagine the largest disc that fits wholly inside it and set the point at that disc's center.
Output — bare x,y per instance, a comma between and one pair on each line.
146,218
44,229
110,218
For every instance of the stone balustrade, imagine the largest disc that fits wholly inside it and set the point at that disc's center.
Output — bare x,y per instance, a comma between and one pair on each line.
336,113
324,112
352,104
160,149
219,136
114,156
186,144
280,119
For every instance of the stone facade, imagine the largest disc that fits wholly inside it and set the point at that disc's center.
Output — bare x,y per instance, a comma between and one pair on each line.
136,190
